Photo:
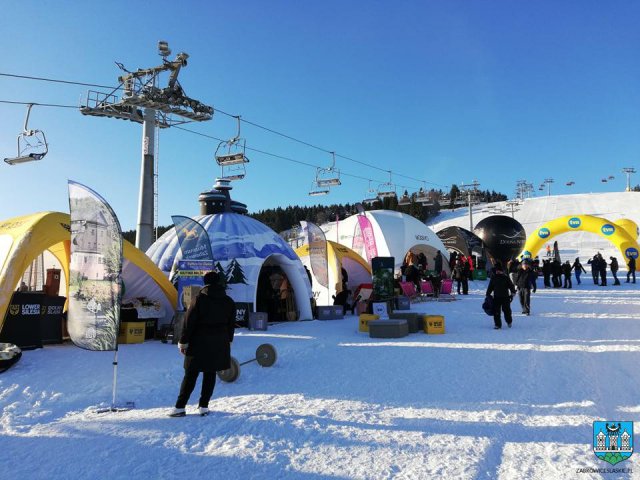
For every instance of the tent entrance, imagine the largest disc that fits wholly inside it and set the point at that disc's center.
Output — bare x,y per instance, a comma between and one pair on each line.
275,293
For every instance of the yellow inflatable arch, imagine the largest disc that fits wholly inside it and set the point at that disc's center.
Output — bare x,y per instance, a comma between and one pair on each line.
616,234
22,239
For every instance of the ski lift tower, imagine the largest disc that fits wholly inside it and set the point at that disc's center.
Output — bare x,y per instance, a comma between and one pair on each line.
629,171
548,181
471,189
144,101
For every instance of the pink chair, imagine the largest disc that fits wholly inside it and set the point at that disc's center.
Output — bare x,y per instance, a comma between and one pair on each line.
446,290
409,290
426,287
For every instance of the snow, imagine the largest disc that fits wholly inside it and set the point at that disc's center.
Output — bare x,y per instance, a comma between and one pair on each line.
473,403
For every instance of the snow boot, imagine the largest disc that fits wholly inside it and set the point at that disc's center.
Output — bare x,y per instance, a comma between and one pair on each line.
178,412
203,411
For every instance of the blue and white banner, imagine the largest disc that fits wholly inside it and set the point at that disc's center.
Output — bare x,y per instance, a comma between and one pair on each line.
193,238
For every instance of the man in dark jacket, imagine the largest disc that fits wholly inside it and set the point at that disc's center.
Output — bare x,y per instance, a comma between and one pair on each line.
437,262
207,333
614,270
566,271
524,283
632,269
503,290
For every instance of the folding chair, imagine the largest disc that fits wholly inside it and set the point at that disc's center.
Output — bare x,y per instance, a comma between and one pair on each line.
409,290
426,288
446,291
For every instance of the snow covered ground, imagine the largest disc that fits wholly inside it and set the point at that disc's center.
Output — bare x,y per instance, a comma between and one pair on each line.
473,403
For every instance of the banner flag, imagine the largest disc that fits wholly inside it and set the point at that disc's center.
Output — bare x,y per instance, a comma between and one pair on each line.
317,252
95,288
367,237
193,238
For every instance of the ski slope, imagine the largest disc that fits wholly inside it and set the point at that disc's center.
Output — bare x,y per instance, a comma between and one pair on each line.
534,212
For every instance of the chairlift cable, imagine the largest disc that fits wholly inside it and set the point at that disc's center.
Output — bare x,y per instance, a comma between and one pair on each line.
36,104
53,80
302,142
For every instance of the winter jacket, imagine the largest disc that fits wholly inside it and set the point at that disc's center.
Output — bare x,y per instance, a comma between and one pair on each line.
525,278
566,269
438,262
577,266
632,264
614,265
500,285
208,329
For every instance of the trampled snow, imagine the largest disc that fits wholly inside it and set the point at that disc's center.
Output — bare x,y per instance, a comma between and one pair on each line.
472,403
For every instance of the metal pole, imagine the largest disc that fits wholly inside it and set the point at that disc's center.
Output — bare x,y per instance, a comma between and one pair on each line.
115,379
144,234
470,211
548,189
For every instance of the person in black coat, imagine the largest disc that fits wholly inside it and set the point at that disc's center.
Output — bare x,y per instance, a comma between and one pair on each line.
614,270
602,270
566,271
546,272
524,284
503,291
437,262
207,333
594,269
631,269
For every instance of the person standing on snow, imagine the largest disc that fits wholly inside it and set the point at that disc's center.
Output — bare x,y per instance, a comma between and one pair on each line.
594,269
207,333
578,269
602,267
437,262
566,271
503,291
631,269
524,284
614,270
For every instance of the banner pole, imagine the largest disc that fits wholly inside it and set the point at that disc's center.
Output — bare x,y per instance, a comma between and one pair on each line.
115,378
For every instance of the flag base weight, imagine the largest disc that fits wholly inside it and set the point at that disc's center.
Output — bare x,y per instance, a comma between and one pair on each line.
117,408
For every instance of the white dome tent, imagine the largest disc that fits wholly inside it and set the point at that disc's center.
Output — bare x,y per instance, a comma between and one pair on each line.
242,245
395,234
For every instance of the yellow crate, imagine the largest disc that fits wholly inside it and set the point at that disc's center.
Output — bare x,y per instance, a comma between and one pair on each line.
364,321
131,332
434,324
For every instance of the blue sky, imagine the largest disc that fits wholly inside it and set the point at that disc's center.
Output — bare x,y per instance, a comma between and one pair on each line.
444,91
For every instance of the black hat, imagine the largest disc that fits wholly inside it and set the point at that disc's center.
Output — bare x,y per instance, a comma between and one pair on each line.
211,278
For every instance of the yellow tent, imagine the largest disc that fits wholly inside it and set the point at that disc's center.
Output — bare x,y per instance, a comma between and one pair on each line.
358,270
22,239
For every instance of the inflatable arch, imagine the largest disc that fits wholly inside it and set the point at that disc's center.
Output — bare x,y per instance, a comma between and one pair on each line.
613,232
22,239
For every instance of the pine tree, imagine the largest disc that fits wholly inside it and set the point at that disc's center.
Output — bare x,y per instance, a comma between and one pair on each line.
234,273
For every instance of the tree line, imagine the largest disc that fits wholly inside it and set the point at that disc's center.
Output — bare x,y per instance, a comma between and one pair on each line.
428,206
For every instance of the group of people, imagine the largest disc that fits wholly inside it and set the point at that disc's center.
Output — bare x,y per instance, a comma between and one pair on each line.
462,272
415,268
599,270
503,286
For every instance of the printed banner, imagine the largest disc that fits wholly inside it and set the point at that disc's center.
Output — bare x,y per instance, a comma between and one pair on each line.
190,273
317,252
193,239
368,237
96,266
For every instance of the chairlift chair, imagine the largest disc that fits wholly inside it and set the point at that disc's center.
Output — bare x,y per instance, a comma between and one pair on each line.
231,156
32,144
405,199
328,177
604,180
423,197
611,177
387,189
371,196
